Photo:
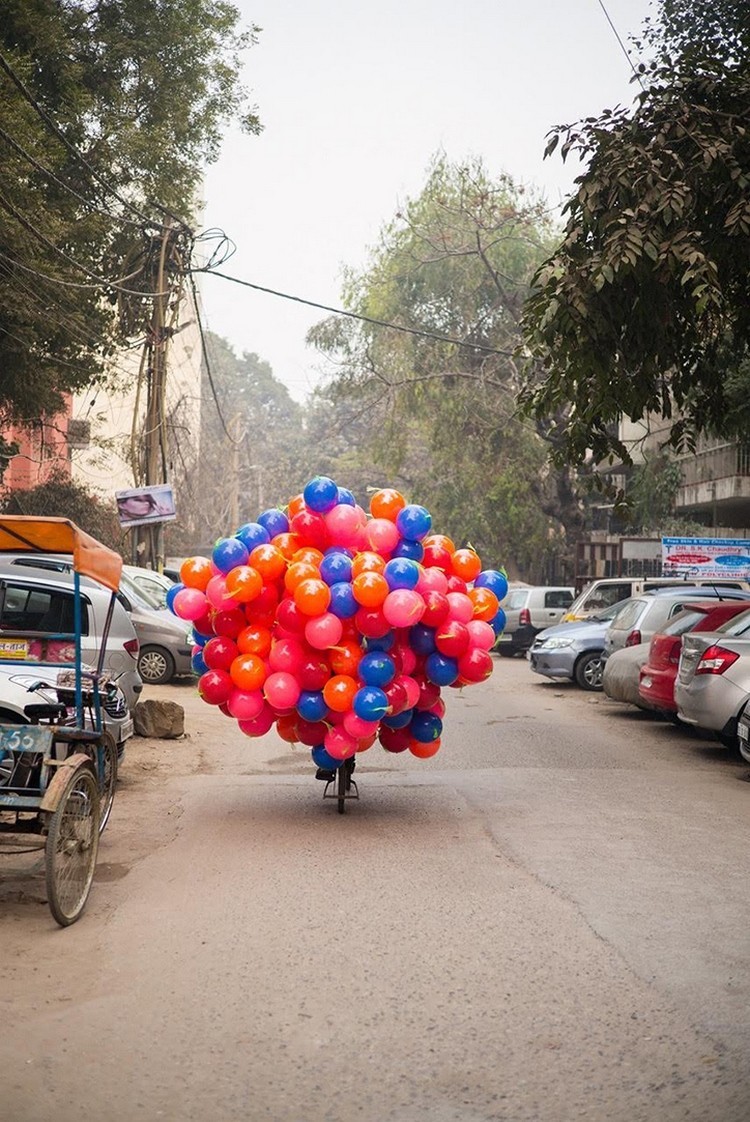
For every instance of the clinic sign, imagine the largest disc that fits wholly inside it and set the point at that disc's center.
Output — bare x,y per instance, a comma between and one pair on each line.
706,557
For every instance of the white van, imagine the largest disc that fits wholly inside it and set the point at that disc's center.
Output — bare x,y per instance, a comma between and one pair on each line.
604,593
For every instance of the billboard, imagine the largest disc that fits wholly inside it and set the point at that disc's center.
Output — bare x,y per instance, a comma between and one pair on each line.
143,505
706,557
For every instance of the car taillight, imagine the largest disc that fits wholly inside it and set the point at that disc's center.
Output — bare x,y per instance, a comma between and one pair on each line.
132,646
673,654
633,639
715,660
524,617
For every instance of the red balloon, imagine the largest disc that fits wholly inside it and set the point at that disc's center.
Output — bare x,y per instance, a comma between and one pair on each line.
394,740
436,608
398,699
311,529
313,672
372,623
290,617
229,623
215,687
475,665
311,732
429,693
287,655
452,639
220,652
455,584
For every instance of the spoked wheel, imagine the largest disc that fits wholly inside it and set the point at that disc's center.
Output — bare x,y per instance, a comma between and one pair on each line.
72,846
108,780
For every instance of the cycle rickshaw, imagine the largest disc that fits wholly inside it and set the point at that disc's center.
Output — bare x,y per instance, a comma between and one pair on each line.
58,772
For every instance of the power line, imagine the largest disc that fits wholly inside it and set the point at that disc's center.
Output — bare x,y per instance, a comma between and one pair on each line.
356,315
204,351
623,48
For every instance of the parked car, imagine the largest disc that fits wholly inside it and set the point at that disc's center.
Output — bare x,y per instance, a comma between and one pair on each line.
165,641
712,687
650,612
602,594
34,600
573,650
528,611
156,585
24,689
621,674
658,675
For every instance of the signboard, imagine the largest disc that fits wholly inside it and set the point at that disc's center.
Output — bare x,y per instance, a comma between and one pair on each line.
142,506
706,557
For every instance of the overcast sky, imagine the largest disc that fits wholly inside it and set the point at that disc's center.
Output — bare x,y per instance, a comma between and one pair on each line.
355,99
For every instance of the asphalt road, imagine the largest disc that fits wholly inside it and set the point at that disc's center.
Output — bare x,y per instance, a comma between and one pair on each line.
548,921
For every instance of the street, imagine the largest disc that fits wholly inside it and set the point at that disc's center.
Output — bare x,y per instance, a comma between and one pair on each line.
547,921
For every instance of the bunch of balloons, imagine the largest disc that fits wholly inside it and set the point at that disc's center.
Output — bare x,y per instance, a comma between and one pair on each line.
337,627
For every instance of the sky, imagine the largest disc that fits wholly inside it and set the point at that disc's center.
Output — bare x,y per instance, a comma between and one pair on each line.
355,101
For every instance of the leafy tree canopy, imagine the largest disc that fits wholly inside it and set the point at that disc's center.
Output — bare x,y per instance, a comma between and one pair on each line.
61,498
645,306
107,112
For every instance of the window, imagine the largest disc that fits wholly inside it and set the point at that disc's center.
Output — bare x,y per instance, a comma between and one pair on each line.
517,599
39,609
558,598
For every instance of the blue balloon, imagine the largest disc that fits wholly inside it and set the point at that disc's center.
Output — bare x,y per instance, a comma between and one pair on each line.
197,663
252,534
198,639
401,572
440,669
422,639
312,706
425,727
336,567
346,498
322,759
381,643
497,623
399,720
171,593
370,703
413,550
376,668
321,494
495,581
229,552
343,605
275,521
414,522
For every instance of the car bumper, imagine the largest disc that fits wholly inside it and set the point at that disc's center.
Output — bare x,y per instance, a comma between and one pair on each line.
657,690
712,702
554,663
518,640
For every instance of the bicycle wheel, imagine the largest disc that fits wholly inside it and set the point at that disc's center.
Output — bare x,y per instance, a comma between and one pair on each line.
72,845
107,781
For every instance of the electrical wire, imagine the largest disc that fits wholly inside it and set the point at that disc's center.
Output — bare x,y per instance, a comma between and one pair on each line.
204,351
356,315
623,48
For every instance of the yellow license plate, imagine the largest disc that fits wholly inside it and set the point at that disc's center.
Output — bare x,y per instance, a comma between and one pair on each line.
14,648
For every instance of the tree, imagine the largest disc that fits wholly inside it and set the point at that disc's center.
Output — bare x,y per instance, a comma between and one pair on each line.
60,498
643,309
107,113
439,397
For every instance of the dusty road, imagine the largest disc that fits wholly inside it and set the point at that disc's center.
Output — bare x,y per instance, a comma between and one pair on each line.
548,921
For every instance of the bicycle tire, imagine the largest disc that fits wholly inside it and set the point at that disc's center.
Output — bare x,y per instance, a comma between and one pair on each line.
72,846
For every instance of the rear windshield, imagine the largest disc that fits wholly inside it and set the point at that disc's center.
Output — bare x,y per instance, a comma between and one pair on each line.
685,621
737,625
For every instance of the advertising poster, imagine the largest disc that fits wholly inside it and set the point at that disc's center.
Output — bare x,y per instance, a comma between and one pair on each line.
706,557
143,505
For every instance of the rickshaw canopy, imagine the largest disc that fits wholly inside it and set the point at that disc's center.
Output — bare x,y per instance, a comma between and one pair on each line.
26,533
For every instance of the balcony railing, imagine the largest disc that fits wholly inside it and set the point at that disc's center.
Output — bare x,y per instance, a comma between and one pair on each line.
725,462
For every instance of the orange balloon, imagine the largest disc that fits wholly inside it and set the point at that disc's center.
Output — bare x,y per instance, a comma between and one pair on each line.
243,583
296,506
248,672
310,555
486,603
424,751
466,564
312,597
386,503
367,562
440,541
299,571
254,640
196,572
345,657
287,544
339,691
370,589
268,560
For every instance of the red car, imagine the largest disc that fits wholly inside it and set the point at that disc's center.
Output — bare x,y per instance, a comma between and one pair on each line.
657,676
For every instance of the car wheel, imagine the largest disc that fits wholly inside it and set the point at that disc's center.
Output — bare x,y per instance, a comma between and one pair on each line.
155,665
588,671
506,651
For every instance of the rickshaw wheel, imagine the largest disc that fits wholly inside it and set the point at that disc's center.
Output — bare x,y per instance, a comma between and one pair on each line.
109,783
72,846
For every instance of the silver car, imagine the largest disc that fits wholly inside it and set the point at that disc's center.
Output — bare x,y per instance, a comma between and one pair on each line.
573,651
640,619
713,678
155,585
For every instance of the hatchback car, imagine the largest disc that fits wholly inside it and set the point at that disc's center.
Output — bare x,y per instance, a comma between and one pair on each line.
528,611
573,650
621,674
650,612
658,675
155,585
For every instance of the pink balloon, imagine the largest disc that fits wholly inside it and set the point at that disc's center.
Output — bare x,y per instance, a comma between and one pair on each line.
281,690
433,580
480,634
339,744
357,727
325,631
218,597
404,607
462,608
382,535
245,704
411,685
286,654
260,725
189,603
343,524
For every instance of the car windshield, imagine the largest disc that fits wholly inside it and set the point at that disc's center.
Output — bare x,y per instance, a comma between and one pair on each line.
629,614
134,592
610,613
